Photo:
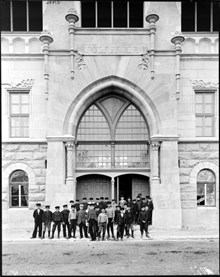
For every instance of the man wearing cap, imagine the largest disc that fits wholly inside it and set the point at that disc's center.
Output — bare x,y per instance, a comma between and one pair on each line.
129,202
65,224
121,224
150,210
129,223
38,216
57,219
92,220
134,211
72,221
110,214
85,204
105,203
47,218
77,205
81,221
101,203
138,208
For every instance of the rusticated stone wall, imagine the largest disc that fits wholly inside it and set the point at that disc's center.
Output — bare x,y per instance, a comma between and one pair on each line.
34,155
190,154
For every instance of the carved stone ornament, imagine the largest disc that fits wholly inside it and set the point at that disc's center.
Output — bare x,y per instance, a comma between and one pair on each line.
69,145
28,83
155,145
144,64
46,36
204,84
80,62
72,15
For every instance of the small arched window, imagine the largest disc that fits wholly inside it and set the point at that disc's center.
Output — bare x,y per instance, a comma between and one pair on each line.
18,189
206,184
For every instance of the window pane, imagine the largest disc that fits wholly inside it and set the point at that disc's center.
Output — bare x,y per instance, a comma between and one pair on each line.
15,132
188,17
24,109
15,98
199,132
24,190
208,108
15,190
216,13
5,15
136,14
210,200
120,14
208,132
35,15
15,109
104,14
199,108
19,176
208,97
88,14
24,201
15,121
14,201
206,175
199,121
24,98
200,194
208,121
19,16
199,97
203,15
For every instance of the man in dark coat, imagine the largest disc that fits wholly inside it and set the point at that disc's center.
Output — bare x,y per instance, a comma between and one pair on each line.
77,205
57,220
46,219
101,203
134,211
143,220
129,223
150,207
129,202
138,208
92,220
65,218
121,223
85,204
81,221
38,216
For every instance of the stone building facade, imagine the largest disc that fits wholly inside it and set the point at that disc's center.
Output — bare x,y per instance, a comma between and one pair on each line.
111,111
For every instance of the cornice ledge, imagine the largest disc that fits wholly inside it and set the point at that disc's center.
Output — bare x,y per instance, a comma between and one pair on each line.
161,138
63,138
197,139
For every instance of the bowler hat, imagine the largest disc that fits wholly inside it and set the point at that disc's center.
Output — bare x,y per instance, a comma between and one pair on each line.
38,204
102,198
57,207
64,206
90,198
84,198
47,206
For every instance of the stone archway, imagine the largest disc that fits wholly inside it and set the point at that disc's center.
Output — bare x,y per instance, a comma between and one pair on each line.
103,87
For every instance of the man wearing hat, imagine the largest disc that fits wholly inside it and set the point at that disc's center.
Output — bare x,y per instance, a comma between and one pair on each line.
92,220
101,203
134,211
121,223
85,204
138,208
77,205
129,223
71,203
150,210
38,216
47,218
65,217
105,203
57,219
110,214
81,221
72,221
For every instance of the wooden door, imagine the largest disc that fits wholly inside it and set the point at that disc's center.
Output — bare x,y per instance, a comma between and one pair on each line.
140,184
93,186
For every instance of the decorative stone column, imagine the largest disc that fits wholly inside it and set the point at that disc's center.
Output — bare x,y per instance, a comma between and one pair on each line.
70,147
46,38
152,18
113,187
155,145
177,40
72,18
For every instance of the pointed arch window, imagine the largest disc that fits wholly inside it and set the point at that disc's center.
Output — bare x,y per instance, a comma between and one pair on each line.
18,183
112,133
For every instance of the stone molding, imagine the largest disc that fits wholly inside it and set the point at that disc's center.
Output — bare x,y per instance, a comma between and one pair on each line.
69,145
193,177
200,140
80,63
144,64
161,138
64,138
197,84
24,84
155,145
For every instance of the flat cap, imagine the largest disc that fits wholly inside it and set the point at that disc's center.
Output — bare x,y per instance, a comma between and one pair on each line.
57,207
47,206
64,206
38,204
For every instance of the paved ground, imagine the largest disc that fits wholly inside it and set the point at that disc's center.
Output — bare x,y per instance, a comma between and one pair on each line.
128,257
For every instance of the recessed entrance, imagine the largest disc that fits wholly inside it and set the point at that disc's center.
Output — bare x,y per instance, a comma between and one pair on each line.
125,186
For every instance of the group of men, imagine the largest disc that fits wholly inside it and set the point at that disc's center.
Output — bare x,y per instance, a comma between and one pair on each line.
95,217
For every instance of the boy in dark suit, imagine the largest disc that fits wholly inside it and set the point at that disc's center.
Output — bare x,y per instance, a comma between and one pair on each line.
150,207
47,218
38,216
92,220
85,204
77,205
57,219
143,221
65,217
81,221
121,224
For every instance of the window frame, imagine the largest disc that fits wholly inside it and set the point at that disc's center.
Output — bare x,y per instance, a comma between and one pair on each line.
203,114
205,183
18,115
19,184
112,17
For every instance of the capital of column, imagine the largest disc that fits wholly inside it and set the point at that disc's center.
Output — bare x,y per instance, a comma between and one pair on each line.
46,38
152,18
72,16
177,40
155,145
69,145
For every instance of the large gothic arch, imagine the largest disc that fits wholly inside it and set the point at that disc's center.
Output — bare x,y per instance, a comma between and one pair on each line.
105,86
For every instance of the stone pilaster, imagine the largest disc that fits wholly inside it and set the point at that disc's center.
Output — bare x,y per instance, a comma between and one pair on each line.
113,188
155,145
70,147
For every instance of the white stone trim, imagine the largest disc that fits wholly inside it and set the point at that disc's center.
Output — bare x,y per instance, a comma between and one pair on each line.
193,177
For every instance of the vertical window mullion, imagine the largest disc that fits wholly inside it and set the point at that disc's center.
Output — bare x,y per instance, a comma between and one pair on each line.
11,16
112,3
27,15
19,195
195,16
128,14
205,193
211,17
96,14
